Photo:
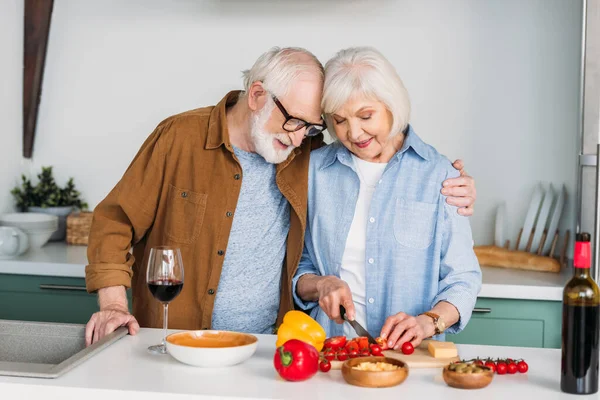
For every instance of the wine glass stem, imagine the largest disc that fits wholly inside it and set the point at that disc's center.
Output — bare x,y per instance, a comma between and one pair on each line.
165,322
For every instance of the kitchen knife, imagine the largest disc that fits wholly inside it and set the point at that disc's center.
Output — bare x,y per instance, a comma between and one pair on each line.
360,331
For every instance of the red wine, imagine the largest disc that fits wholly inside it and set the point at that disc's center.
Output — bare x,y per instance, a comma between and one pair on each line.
165,290
580,325
580,349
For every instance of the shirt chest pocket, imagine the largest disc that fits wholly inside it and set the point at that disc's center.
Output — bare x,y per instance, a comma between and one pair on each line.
414,223
185,213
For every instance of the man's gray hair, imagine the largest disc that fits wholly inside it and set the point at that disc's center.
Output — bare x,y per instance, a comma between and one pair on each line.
278,68
364,71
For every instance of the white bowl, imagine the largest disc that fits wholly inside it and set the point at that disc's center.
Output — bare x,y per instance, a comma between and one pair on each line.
30,222
28,218
37,239
211,348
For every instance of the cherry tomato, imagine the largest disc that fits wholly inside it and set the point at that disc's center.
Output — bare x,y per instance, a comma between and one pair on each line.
407,348
376,350
522,367
329,355
336,342
353,354
363,343
324,366
382,343
491,365
365,353
342,355
351,345
478,362
501,368
511,368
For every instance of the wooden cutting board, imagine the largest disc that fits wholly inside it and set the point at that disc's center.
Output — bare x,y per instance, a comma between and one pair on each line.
419,359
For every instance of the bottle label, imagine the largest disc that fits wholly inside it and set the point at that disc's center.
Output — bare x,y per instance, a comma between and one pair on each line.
582,256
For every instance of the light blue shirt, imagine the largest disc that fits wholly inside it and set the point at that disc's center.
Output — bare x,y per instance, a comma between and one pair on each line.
249,287
419,250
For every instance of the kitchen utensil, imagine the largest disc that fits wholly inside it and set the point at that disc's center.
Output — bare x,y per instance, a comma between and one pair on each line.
374,379
555,220
421,358
493,256
468,380
501,231
360,331
211,349
534,206
13,242
542,218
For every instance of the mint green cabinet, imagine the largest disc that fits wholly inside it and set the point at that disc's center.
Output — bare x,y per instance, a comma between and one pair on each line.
508,322
45,298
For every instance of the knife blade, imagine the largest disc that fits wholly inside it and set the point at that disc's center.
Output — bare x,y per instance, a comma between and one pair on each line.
360,331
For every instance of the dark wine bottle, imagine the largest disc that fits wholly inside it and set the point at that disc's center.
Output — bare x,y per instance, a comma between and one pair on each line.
580,325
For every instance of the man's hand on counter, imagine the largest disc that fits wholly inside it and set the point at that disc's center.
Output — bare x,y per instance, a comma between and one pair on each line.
113,314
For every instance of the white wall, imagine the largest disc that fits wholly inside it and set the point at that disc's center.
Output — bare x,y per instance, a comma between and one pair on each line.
11,73
493,82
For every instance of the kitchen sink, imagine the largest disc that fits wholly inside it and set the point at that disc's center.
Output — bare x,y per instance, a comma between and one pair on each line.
46,350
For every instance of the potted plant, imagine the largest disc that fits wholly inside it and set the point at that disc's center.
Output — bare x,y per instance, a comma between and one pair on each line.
47,197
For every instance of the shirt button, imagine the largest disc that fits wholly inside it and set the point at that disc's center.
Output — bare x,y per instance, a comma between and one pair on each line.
371,220
371,300
229,213
371,261
236,177
381,181
211,291
184,194
220,252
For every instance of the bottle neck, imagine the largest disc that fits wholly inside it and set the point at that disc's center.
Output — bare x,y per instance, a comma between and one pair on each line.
582,258
581,272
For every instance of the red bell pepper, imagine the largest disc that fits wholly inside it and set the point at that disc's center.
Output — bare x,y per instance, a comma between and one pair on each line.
296,360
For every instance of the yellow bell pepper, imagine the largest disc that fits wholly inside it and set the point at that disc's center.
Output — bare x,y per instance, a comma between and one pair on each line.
298,325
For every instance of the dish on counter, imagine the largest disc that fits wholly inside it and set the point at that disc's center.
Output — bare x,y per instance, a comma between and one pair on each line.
467,375
367,377
209,348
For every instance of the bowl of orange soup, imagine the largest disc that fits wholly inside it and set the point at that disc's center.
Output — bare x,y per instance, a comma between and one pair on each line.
211,348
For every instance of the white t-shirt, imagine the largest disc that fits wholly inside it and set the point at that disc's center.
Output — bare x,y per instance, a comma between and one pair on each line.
353,261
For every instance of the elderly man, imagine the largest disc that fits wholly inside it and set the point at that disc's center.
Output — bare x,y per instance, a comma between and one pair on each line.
227,184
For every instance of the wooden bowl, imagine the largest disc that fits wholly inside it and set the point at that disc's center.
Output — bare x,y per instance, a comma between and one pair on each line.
468,380
374,379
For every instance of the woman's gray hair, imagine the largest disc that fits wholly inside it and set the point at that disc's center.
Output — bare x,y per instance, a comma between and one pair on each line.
278,68
364,71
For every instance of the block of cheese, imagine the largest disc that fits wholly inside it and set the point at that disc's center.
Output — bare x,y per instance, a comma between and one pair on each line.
442,349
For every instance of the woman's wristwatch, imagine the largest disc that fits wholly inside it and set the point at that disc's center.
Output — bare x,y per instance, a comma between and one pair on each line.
438,322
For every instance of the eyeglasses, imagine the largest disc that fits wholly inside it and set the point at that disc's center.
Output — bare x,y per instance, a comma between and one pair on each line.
293,124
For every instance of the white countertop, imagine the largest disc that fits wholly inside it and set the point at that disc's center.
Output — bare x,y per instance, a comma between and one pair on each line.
60,259
53,259
503,283
126,371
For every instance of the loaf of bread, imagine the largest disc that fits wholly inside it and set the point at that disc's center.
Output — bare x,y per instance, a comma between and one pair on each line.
494,256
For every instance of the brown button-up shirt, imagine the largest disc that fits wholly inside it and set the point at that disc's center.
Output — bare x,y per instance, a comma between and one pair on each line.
181,189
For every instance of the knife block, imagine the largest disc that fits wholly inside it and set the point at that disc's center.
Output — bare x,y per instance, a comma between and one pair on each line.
504,257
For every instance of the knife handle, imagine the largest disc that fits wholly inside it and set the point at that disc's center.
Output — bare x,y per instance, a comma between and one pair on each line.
343,312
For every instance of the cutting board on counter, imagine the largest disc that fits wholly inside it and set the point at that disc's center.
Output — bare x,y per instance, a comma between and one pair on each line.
419,359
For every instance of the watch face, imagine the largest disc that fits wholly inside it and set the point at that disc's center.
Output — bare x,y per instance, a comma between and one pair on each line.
441,325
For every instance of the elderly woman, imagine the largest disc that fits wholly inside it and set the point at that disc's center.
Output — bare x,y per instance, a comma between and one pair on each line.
381,239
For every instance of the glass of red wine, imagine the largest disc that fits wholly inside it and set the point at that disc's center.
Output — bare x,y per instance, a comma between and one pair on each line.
165,281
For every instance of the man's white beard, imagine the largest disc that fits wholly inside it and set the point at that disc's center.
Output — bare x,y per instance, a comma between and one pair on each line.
263,140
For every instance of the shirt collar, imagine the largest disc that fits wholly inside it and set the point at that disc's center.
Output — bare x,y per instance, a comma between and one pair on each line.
411,141
217,124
